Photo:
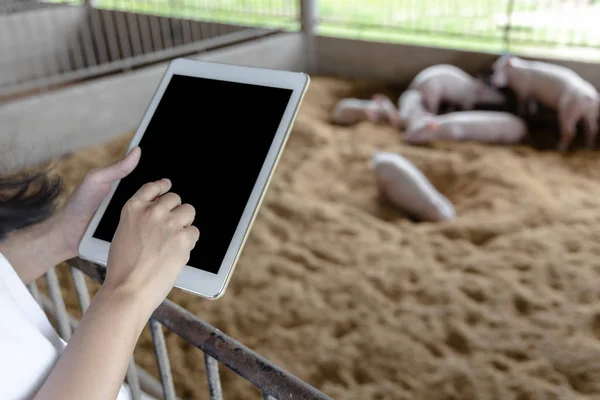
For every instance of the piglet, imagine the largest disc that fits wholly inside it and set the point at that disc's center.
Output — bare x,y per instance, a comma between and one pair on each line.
554,86
446,82
479,126
402,185
350,111
410,108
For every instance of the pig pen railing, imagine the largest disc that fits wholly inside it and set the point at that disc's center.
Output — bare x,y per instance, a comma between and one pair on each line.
275,383
560,28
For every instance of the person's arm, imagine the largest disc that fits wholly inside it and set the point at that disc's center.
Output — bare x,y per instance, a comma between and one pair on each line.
32,251
151,246
95,360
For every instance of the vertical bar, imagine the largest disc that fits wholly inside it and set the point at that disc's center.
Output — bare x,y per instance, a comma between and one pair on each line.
507,29
164,368
308,18
109,28
146,34
133,380
165,23
74,45
86,38
156,36
35,293
81,290
134,32
99,36
36,69
212,374
196,32
62,317
186,30
51,66
123,35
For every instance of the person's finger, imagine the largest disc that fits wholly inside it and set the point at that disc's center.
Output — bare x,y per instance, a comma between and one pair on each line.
183,215
169,200
193,234
152,190
120,169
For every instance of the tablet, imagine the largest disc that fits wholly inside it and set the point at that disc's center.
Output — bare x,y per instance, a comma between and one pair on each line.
216,131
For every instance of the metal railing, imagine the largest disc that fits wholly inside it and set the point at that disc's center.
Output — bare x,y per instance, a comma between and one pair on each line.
46,44
49,43
274,382
559,27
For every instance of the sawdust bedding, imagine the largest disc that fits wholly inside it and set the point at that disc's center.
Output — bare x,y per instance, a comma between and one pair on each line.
363,303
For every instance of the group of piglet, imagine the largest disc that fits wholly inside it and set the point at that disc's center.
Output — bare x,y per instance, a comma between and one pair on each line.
401,184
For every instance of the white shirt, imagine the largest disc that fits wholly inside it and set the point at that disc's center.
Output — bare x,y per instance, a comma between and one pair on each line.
29,345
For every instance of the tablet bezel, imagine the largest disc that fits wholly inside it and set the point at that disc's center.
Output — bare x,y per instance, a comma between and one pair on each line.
196,281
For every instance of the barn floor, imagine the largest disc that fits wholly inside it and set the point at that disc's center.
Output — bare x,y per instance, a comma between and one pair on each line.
503,303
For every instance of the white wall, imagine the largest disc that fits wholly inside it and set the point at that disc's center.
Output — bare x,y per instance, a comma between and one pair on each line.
43,127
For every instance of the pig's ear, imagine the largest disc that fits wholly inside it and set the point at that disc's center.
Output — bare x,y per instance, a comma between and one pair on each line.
433,125
510,60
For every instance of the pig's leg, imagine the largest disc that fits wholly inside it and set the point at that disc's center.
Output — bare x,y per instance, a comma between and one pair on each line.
591,131
522,102
522,107
533,107
568,122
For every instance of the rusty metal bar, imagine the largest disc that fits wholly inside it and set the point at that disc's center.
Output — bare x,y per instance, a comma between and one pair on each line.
214,381
62,316
162,358
133,381
251,366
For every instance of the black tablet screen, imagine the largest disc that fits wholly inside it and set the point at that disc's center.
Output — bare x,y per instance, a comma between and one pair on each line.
210,138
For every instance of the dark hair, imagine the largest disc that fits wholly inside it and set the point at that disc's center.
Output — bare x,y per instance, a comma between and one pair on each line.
27,199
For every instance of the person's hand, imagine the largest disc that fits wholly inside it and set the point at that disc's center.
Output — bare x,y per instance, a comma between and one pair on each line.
74,217
151,246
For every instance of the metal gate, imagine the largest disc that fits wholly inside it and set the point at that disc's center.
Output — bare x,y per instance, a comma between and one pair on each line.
274,382
45,44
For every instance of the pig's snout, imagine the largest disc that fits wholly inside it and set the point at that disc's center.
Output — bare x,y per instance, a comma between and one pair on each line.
440,209
446,211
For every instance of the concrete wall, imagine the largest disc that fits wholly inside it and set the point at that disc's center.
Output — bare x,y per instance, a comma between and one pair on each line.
39,128
399,63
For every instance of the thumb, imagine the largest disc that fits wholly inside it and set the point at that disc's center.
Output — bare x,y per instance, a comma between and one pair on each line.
120,169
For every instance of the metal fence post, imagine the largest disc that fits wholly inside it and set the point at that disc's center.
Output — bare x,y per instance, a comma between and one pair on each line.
510,7
309,23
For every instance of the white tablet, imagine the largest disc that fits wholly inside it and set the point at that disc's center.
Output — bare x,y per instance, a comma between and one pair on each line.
216,131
